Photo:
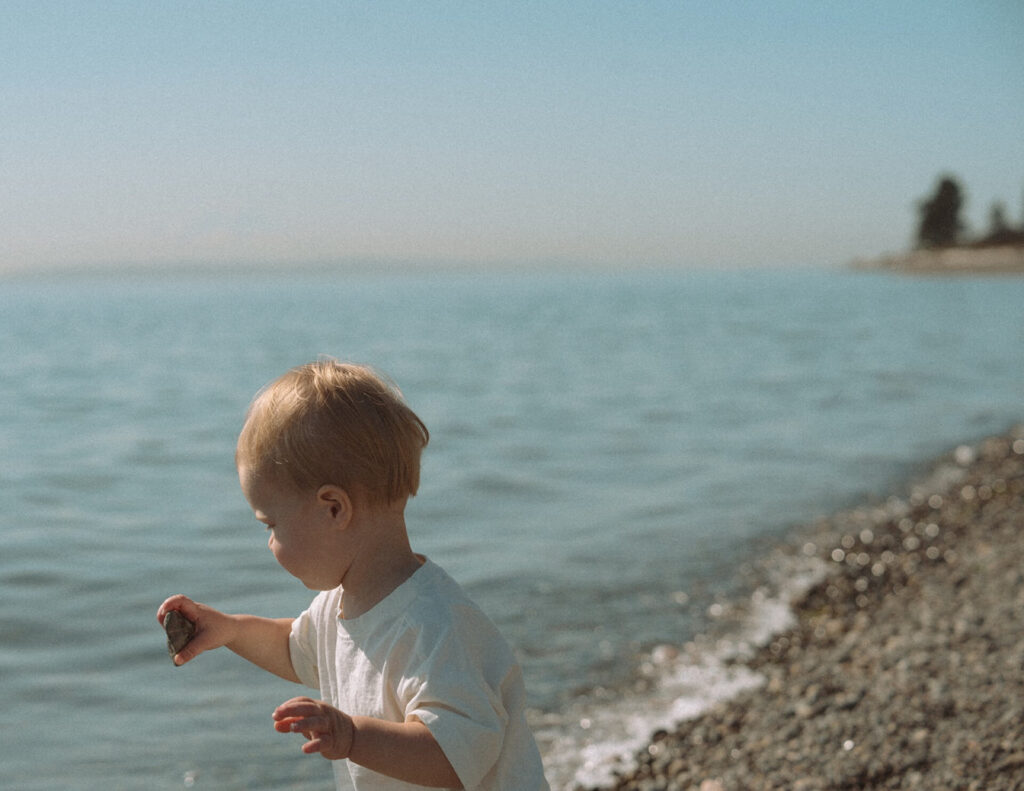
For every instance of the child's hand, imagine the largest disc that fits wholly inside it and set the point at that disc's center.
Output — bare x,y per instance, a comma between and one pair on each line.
213,628
329,731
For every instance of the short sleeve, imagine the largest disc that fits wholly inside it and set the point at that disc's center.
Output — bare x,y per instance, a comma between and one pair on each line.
302,648
456,691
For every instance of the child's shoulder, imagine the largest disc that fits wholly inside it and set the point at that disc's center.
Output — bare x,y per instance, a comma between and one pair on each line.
437,593
443,604
446,632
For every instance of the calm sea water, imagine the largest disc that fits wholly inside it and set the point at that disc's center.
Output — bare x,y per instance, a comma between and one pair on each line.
607,451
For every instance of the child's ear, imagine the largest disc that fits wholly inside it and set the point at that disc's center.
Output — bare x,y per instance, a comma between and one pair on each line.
337,503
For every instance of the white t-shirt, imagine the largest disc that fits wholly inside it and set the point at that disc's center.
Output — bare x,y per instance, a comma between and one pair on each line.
426,650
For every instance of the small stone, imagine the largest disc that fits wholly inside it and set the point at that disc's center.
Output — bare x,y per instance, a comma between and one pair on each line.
180,631
1014,761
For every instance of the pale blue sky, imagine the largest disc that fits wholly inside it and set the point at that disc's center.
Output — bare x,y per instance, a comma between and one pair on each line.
625,133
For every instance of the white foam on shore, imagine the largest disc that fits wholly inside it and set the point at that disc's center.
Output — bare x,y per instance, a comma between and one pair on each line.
592,741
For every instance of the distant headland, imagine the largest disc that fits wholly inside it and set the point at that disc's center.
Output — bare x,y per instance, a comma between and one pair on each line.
944,246
1004,259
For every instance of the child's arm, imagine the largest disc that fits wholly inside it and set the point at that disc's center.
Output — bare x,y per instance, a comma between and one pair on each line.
263,641
403,750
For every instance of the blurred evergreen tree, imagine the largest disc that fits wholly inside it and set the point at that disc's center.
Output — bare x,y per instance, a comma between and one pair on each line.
997,220
1000,231
940,216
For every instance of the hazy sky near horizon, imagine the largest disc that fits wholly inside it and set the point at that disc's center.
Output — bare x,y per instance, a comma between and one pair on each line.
621,133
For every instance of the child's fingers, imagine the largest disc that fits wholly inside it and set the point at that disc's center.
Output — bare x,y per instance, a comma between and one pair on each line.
202,641
186,654
327,729
308,726
297,707
190,610
285,726
178,602
313,728
312,746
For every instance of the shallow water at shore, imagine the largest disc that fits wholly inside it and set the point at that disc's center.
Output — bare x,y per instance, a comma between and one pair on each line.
902,667
608,452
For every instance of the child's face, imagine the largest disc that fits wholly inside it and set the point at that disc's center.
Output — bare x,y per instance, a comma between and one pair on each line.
301,537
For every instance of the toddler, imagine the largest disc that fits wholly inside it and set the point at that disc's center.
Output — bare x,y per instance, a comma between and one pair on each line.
416,685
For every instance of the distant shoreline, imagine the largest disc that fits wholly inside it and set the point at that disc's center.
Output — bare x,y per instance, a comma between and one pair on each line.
1004,259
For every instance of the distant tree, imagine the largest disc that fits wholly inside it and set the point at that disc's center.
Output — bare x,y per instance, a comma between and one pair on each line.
940,216
1000,231
997,224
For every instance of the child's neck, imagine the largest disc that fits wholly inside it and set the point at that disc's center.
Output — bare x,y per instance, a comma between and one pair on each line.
383,561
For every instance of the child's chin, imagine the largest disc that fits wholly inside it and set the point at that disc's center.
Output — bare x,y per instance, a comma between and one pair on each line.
315,585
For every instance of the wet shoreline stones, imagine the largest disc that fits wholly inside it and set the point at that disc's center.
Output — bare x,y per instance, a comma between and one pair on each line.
906,667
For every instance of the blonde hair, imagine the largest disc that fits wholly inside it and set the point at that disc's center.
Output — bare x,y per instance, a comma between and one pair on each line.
338,423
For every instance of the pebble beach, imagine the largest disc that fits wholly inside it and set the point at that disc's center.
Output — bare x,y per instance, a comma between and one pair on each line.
905,667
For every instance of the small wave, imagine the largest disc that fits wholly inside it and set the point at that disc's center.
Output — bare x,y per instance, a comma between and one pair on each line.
496,484
597,737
